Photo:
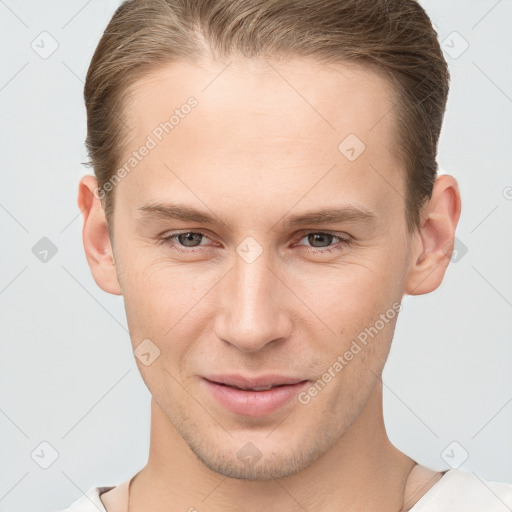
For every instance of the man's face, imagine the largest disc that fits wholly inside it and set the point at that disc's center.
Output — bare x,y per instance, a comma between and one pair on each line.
251,294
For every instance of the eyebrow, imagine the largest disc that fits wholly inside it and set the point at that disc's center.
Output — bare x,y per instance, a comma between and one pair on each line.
348,213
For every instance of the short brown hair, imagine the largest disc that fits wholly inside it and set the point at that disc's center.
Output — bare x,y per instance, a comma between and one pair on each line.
393,37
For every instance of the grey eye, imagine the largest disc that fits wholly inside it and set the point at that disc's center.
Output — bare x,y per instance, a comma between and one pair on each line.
320,239
189,239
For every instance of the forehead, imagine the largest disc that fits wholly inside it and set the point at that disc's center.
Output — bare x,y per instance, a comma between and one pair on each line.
265,127
327,98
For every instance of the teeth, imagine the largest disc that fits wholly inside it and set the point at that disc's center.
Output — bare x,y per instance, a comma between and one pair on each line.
261,388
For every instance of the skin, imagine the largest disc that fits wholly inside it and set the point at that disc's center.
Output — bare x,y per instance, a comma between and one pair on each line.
252,152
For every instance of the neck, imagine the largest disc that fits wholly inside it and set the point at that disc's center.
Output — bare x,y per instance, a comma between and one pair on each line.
363,471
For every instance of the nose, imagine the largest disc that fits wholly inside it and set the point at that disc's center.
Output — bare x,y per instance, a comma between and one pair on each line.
254,305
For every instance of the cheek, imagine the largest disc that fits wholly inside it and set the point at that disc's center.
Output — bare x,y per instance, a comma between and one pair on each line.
351,293
166,302
355,306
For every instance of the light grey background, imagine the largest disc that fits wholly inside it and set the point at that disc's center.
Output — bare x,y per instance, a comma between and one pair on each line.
67,373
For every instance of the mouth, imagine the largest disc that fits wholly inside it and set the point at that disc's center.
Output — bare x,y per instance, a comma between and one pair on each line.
252,397
255,383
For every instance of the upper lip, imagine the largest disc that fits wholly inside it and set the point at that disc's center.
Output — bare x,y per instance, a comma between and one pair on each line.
253,382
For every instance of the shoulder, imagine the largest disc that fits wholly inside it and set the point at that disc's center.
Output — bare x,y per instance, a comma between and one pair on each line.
89,502
101,499
460,490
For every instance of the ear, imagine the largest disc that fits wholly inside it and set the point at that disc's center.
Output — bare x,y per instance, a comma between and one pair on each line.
98,249
433,243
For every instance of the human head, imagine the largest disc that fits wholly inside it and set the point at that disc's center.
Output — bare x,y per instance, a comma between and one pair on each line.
260,144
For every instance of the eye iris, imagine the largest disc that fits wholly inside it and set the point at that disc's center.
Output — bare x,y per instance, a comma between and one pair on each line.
313,238
189,237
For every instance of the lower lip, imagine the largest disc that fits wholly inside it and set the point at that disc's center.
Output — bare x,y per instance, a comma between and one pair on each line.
253,403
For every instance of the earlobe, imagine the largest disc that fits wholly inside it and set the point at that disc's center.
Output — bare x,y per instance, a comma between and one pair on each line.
433,244
97,245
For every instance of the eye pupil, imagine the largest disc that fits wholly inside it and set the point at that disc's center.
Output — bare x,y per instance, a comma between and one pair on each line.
189,237
313,238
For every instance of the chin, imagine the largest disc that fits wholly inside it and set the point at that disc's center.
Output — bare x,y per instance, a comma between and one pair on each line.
263,459
265,468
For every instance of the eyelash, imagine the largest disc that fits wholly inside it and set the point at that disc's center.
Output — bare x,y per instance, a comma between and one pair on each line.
343,240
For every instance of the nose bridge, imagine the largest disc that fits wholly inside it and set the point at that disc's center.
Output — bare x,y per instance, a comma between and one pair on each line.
252,314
